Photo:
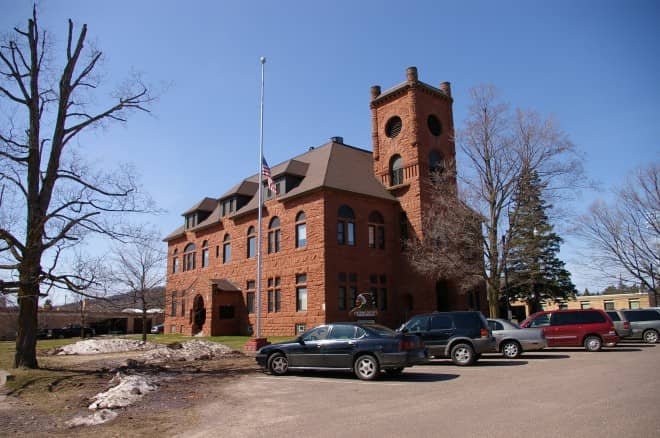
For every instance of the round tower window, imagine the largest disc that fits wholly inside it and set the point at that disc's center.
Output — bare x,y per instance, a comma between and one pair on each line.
434,125
393,127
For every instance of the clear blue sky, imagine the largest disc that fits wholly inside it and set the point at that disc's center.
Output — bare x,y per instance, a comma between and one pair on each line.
593,64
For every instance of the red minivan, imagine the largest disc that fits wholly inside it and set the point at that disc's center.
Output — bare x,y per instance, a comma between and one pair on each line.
591,328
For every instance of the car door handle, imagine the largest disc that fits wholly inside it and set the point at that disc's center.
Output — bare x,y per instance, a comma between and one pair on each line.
351,342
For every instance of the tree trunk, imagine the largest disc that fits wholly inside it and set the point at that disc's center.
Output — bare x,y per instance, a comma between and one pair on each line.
26,339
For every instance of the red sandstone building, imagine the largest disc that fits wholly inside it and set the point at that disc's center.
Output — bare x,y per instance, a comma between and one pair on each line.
333,230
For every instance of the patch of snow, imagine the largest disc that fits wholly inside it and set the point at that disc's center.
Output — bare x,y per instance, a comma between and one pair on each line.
98,417
111,345
196,349
128,390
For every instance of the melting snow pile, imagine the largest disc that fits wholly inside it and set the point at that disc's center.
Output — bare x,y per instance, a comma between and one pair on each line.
188,351
128,389
112,345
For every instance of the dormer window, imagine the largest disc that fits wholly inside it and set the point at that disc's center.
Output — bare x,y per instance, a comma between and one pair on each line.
191,221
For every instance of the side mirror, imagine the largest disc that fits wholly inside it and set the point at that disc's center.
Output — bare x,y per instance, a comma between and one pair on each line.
300,340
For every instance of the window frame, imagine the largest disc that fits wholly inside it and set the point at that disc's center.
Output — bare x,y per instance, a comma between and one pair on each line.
396,170
301,224
251,250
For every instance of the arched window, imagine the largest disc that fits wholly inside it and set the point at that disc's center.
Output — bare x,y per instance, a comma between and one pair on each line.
175,261
301,230
436,162
189,257
205,254
346,226
226,249
376,230
251,243
274,235
396,170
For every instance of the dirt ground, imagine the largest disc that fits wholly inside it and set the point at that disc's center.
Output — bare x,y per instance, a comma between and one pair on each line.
42,406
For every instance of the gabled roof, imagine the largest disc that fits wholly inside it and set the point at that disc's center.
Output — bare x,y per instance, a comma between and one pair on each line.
244,188
206,205
225,285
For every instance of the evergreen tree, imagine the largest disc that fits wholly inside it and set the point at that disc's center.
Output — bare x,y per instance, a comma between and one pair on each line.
535,272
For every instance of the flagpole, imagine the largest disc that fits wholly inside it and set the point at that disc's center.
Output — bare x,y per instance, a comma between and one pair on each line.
259,214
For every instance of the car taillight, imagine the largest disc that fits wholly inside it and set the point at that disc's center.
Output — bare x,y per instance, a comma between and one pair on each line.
626,324
411,343
484,333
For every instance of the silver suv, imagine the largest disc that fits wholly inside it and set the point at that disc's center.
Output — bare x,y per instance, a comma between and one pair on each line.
645,324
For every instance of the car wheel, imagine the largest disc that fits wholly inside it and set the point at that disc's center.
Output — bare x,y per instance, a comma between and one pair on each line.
650,336
278,364
462,354
366,367
394,371
510,349
593,343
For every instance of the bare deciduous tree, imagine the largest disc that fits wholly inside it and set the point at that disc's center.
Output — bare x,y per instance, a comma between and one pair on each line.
624,237
498,148
451,248
138,267
59,199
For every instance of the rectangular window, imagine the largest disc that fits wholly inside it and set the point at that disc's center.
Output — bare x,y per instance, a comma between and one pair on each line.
278,295
633,304
403,223
175,265
172,329
372,236
300,328
341,298
609,305
301,293
249,297
226,253
250,302
382,298
183,303
340,233
301,235
173,304
217,252
585,305
563,306
252,248
350,233
205,257
274,295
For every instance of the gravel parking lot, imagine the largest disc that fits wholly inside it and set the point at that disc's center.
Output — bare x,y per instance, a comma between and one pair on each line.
553,393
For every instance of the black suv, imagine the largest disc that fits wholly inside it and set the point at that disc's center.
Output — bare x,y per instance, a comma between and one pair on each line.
461,336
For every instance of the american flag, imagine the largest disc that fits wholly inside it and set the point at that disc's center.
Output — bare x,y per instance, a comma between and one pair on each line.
265,171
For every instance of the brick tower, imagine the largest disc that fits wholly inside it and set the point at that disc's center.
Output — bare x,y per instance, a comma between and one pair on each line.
413,134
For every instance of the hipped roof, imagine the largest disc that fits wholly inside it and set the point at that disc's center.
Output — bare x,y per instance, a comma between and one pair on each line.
332,166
